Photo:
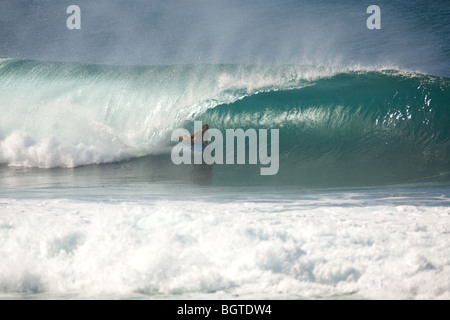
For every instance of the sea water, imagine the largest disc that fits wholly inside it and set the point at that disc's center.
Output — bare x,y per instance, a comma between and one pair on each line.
91,205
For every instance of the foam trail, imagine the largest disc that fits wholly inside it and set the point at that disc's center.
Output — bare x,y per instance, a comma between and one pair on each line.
19,149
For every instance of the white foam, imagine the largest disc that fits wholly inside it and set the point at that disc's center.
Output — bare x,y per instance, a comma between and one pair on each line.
197,249
19,149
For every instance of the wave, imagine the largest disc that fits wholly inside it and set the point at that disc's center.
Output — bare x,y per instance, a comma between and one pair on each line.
119,112
334,123
353,126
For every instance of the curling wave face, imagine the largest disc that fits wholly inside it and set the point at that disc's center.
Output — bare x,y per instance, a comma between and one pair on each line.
52,112
344,125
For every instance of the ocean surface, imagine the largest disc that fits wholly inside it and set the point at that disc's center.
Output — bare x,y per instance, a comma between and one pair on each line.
93,207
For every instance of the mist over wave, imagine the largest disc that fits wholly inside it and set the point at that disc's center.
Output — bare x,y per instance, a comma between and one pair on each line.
413,34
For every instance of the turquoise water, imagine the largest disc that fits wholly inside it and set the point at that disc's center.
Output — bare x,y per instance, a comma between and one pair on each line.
337,127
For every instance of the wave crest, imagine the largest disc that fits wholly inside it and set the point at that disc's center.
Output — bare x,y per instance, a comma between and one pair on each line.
333,123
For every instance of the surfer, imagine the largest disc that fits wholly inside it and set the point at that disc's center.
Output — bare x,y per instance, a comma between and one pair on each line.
199,137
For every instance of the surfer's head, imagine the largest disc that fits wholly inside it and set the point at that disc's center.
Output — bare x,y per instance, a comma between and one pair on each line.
205,127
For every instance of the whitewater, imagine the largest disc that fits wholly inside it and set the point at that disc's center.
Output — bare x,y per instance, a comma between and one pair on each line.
92,207
321,245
